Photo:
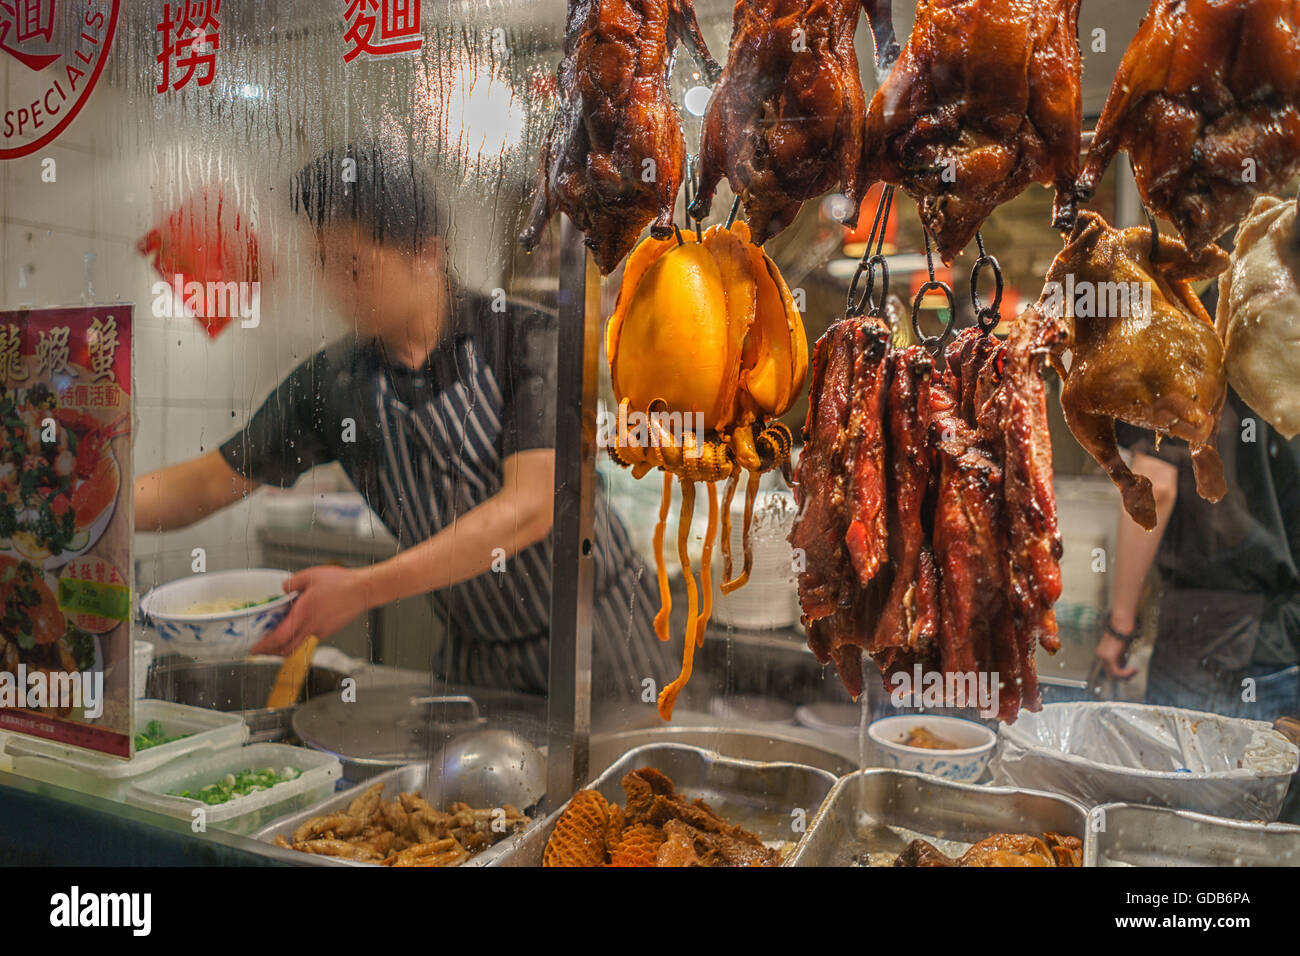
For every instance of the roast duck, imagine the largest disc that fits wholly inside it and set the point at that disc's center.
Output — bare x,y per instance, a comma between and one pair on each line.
984,100
1259,313
785,123
1207,104
613,159
927,516
1156,364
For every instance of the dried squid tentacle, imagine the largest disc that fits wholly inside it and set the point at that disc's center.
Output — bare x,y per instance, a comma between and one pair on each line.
727,495
751,492
706,568
668,696
665,596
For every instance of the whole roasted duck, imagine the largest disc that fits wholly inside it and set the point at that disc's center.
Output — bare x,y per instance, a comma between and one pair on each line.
1207,103
984,100
1259,313
613,159
785,123
1144,350
927,517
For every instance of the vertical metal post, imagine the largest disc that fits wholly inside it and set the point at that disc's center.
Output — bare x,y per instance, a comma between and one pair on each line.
577,377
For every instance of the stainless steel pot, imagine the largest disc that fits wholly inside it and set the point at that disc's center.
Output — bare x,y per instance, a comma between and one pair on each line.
239,687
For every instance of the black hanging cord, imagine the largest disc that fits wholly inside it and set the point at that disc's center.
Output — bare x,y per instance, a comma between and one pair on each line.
988,316
735,211
872,261
1155,234
934,345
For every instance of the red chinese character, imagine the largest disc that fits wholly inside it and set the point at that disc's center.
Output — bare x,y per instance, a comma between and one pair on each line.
381,27
190,41
27,20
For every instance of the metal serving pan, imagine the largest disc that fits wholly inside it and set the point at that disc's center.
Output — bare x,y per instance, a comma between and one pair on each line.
881,811
240,687
414,777
1130,834
726,741
761,797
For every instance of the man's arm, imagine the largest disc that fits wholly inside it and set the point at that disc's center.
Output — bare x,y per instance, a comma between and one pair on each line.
1135,551
179,495
517,516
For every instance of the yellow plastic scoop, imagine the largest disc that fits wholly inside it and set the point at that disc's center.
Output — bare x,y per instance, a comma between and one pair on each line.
293,675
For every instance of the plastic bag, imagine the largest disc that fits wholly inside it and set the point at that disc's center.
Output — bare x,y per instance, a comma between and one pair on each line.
1163,756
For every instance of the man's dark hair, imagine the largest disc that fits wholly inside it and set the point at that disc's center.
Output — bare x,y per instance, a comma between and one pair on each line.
392,198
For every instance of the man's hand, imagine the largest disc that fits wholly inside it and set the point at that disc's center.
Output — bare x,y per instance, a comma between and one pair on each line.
329,599
1111,651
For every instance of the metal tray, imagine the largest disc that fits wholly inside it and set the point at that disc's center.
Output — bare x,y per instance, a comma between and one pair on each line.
761,797
1130,834
881,811
399,780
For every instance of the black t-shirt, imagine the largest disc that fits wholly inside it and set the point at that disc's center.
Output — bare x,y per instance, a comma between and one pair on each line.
318,413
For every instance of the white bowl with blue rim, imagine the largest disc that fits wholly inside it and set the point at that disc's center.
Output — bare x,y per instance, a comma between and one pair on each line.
218,635
966,763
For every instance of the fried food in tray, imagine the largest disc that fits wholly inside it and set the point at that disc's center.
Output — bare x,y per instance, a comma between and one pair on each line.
1000,850
658,827
404,832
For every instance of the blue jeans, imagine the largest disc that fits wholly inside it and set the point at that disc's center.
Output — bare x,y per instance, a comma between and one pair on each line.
1276,693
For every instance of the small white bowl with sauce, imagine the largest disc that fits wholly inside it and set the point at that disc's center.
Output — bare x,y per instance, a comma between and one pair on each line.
219,615
964,760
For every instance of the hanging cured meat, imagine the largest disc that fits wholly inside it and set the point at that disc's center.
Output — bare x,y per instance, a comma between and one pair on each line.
1144,350
785,124
1259,313
614,156
927,518
1207,104
984,100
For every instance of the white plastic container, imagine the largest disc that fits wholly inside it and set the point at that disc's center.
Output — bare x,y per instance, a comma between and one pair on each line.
141,661
248,814
209,731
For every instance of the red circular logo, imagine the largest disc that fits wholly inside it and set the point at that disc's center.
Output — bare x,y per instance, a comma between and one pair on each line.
56,50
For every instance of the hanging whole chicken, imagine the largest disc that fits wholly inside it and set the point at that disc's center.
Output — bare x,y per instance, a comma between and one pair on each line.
785,124
706,350
1259,313
1143,350
614,157
1207,103
984,100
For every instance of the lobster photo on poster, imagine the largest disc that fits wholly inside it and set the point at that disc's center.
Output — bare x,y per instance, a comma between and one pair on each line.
66,526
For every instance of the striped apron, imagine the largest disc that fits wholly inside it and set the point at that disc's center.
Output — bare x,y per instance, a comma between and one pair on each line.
441,458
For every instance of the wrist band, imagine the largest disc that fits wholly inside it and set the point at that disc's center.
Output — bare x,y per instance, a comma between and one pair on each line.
1128,638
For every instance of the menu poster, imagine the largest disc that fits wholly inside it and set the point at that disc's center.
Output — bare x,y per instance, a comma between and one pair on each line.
66,526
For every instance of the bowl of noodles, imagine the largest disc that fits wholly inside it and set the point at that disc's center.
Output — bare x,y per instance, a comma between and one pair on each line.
219,615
